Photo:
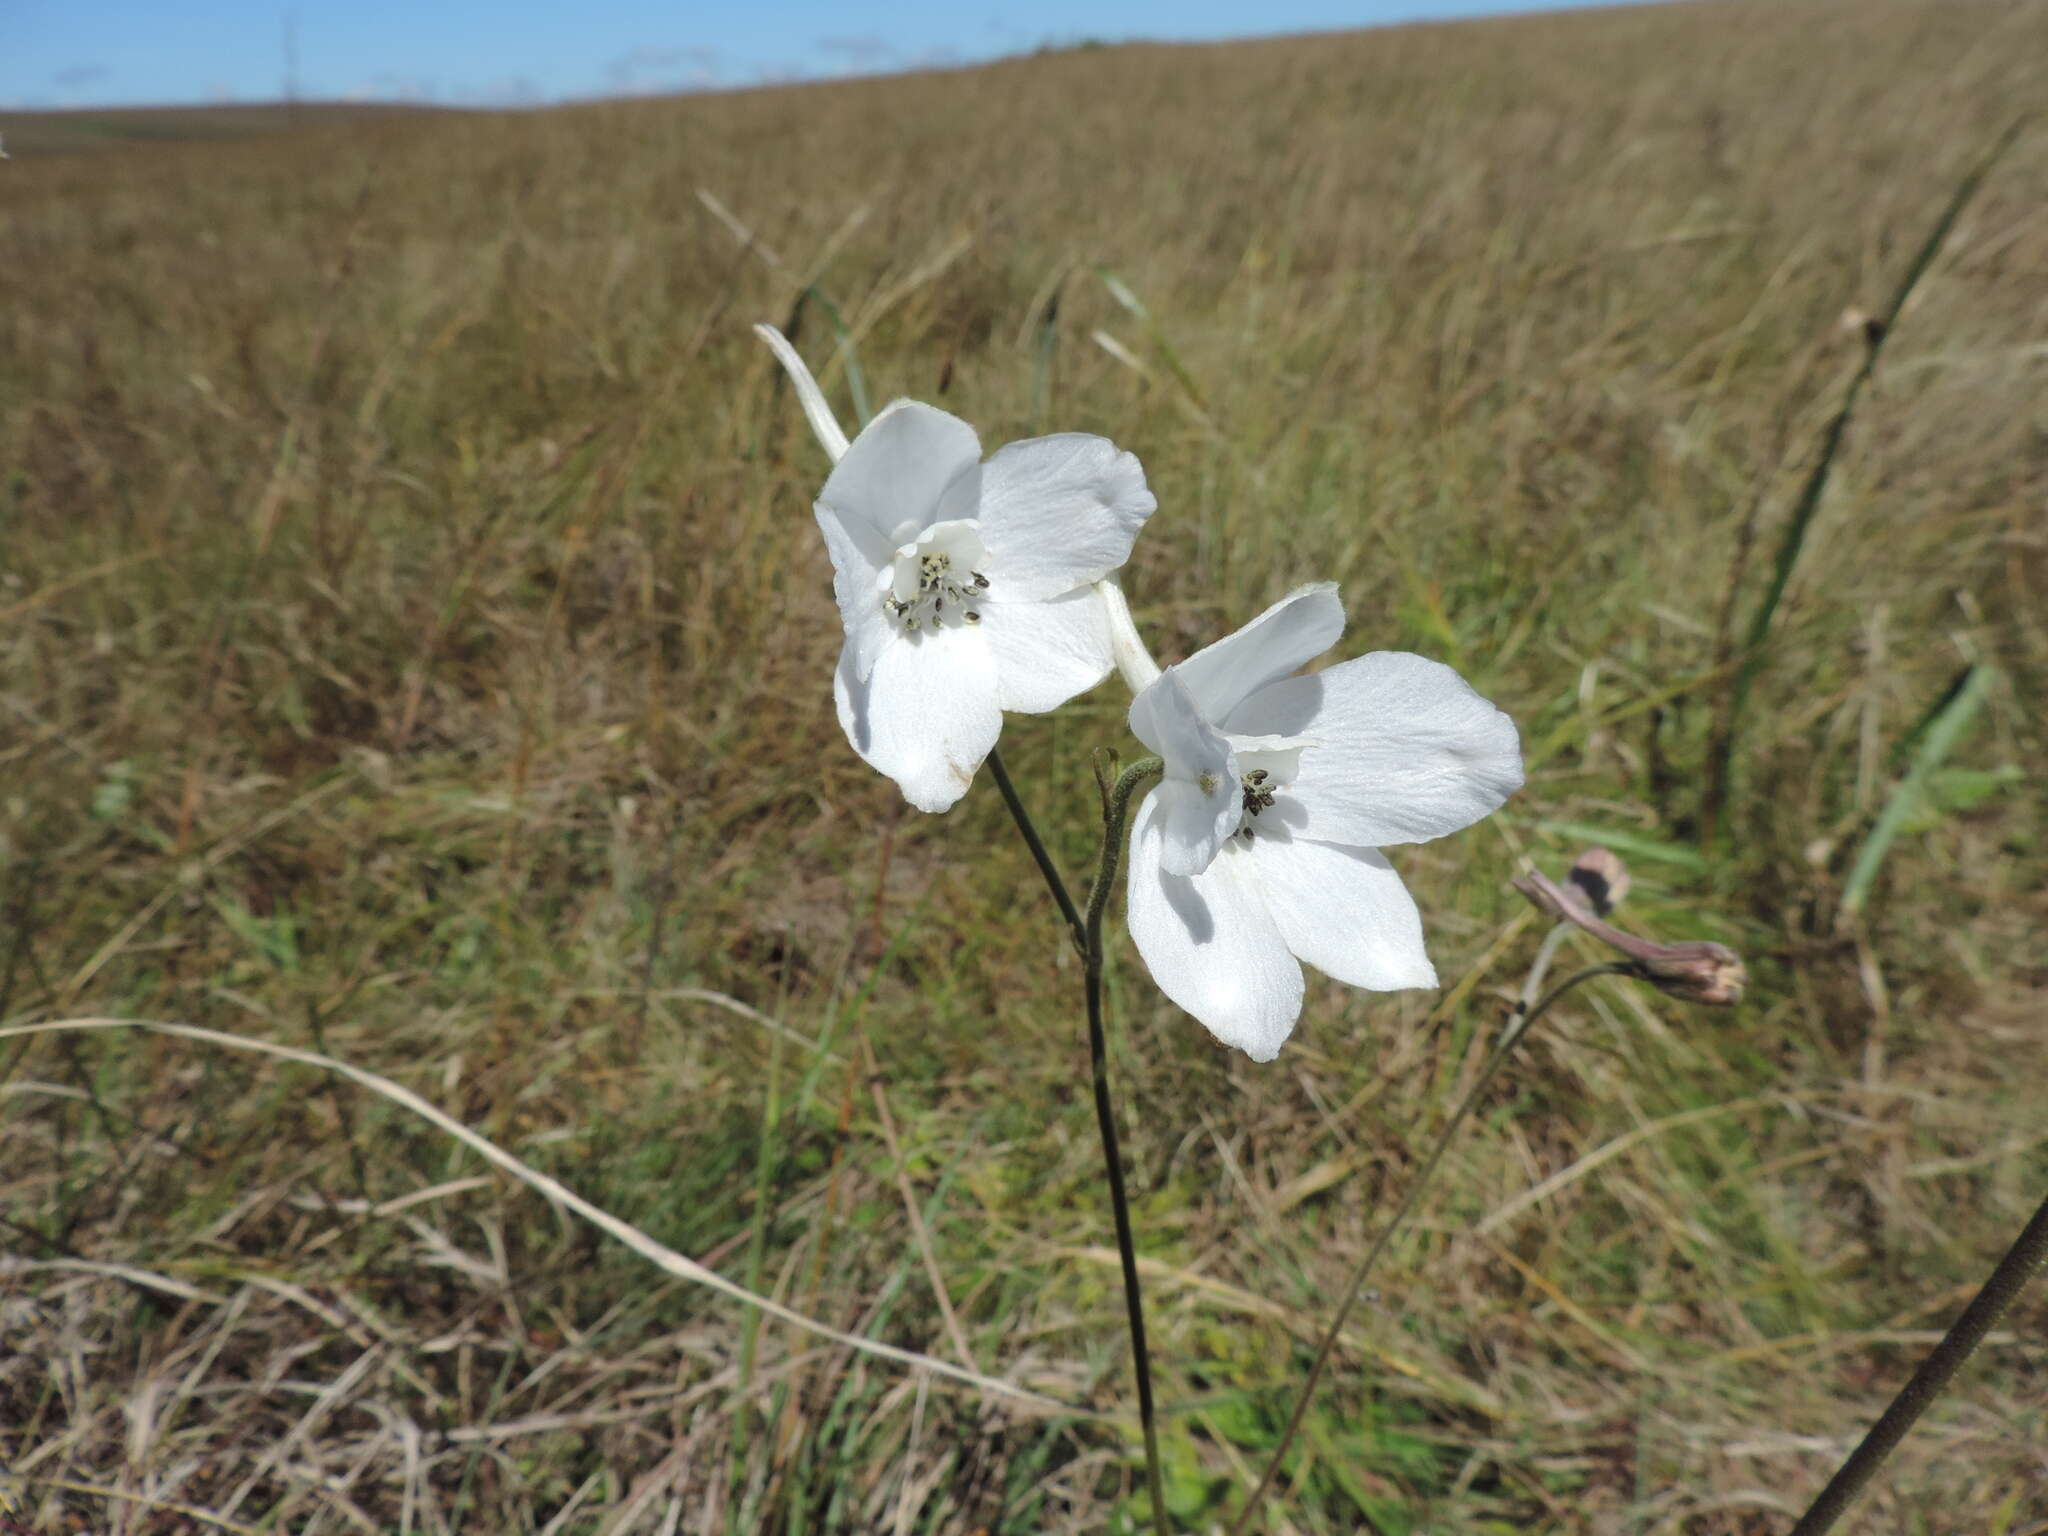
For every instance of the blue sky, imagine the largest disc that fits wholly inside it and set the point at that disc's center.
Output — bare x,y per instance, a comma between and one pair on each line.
58,53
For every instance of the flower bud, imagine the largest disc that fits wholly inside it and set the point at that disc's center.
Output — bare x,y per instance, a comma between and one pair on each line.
1603,877
1697,971
1694,970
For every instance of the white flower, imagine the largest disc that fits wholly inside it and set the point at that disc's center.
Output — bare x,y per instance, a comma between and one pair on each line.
967,588
1260,847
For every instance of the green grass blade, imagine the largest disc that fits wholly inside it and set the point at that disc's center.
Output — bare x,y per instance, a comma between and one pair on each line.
856,382
1817,480
1161,346
1046,354
1635,845
1790,545
1942,735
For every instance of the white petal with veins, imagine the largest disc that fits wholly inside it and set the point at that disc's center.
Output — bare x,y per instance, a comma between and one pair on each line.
1297,629
858,583
1402,749
1200,800
1344,911
1061,512
1047,652
897,473
1211,943
926,715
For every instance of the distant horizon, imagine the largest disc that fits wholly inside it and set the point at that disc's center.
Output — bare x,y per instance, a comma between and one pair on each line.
464,55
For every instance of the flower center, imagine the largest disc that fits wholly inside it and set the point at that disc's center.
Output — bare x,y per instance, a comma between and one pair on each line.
1259,786
1262,781
1258,791
933,582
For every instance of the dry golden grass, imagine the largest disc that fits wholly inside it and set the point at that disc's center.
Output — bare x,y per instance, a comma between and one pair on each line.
413,646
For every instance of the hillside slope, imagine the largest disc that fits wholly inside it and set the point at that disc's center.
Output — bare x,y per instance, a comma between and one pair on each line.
415,646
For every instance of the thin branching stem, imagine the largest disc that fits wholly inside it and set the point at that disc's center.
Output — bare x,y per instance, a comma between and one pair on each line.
1519,1024
1046,867
1087,936
2021,1263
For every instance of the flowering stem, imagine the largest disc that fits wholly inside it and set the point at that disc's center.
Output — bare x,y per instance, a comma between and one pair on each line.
1115,808
1518,1025
1113,812
2020,1264
1053,883
1087,936
1532,984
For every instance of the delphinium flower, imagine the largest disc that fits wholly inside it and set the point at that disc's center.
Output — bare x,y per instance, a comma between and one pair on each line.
966,587
1259,849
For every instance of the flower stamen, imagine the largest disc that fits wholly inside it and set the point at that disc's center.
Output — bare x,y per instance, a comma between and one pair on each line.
1258,791
935,592
1258,796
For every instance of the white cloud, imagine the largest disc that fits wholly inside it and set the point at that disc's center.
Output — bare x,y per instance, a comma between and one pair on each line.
862,50
650,68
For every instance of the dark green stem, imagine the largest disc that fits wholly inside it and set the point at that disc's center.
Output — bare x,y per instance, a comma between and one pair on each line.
2020,1264
1518,1026
1113,815
1053,883
1087,936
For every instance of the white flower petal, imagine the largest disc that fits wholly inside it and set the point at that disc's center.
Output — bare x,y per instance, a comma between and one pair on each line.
1280,756
857,584
1344,911
1060,512
926,715
1048,652
897,473
1201,801
1402,750
1193,824
1211,944
1166,718
1297,629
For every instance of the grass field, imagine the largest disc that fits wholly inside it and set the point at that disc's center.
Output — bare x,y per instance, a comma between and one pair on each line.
415,647
35,135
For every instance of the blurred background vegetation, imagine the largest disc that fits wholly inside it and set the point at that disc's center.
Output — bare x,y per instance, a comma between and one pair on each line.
415,646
